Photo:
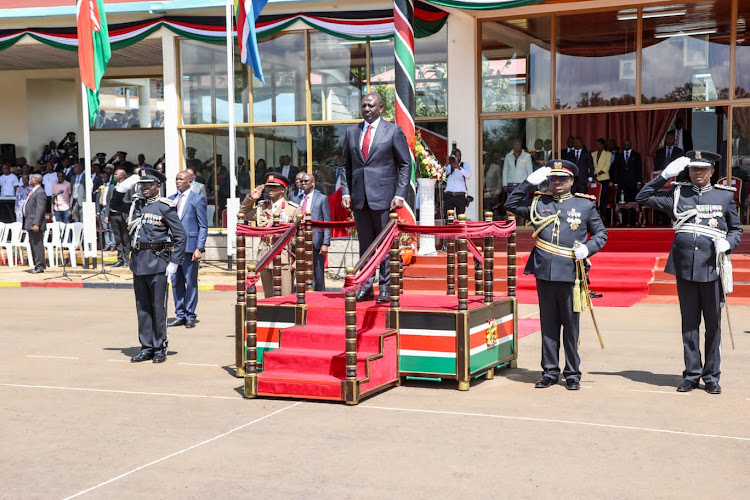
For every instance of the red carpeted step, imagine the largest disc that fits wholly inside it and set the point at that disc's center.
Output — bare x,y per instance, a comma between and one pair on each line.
311,361
315,336
298,384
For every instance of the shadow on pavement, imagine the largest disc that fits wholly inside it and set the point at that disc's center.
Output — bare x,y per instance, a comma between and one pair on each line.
658,379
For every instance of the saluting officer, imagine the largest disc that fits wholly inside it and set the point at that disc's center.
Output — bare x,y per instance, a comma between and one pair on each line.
261,211
154,258
562,223
706,223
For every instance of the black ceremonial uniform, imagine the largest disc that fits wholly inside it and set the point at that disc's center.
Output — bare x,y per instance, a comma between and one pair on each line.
568,218
699,217
151,223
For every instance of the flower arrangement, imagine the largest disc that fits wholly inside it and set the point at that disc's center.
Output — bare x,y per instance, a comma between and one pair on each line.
429,167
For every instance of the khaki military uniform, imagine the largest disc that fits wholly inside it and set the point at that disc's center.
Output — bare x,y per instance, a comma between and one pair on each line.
262,214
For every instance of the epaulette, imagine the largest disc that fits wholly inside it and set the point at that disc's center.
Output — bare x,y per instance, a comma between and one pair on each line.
584,195
171,203
726,188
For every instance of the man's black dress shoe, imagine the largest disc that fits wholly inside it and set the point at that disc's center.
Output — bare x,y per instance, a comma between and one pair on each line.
364,295
190,324
177,322
687,386
572,384
545,382
384,297
119,263
142,356
36,271
713,388
160,357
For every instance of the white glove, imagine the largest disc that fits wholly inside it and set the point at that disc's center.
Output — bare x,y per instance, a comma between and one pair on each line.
675,167
171,269
127,184
538,176
581,251
722,245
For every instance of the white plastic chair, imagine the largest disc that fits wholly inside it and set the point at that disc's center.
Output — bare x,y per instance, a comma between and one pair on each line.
11,238
24,243
3,255
72,239
52,242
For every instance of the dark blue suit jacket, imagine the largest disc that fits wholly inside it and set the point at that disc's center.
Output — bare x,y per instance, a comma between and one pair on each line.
320,210
194,220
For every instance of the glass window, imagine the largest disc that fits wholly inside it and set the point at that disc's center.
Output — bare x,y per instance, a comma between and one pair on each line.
509,156
516,64
338,78
740,142
686,52
435,136
280,146
282,97
131,103
383,74
203,76
431,74
200,153
596,60
742,72
327,143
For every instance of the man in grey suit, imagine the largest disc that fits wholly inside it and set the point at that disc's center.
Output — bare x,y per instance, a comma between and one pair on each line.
316,203
376,167
34,221
196,187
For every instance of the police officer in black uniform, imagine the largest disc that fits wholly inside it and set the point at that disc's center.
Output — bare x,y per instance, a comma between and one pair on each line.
152,220
562,223
705,221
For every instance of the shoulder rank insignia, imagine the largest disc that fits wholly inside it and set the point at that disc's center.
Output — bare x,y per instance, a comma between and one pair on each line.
587,196
725,188
171,203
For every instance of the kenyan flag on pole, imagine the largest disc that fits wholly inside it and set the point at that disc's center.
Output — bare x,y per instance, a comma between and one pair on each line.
93,49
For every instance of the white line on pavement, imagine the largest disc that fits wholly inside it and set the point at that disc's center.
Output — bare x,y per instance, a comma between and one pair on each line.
51,357
671,393
556,421
198,364
112,391
119,360
182,451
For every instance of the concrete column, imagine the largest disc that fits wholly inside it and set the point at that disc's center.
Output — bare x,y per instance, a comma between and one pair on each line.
172,159
463,114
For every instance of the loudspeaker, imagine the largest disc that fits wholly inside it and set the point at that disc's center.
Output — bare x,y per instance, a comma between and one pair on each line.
8,153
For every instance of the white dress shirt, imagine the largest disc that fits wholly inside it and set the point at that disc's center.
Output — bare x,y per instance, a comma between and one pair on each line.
456,181
8,185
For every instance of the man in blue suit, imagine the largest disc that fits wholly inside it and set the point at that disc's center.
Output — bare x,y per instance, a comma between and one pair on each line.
191,209
316,203
375,174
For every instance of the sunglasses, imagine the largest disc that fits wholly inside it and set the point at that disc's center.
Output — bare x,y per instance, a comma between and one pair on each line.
304,182
558,178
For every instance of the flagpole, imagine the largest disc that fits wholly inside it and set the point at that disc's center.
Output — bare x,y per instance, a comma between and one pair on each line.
233,205
89,211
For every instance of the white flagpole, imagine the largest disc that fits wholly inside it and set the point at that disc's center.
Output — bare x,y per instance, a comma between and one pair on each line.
89,210
233,203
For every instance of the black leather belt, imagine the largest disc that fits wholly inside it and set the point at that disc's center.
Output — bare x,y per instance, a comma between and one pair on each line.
161,245
454,192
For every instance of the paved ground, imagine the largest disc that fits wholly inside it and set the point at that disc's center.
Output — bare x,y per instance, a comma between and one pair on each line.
79,419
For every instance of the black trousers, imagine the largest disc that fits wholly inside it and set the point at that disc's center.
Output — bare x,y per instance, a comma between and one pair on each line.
151,306
556,311
454,201
700,299
122,237
369,224
603,200
319,277
36,240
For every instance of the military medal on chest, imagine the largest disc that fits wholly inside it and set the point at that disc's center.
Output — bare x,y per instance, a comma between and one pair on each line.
574,218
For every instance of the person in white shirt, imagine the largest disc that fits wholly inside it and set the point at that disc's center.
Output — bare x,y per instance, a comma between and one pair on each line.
8,184
48,179
517,167
457,171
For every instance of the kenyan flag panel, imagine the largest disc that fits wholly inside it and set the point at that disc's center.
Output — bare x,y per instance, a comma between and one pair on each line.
428,344
271,320
491,335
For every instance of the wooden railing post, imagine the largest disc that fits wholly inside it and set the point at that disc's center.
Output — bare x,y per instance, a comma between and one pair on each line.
463,270
478,276
511,258
451,257
300,263
276,261
489,263
395,263
309,278
350,385
251,327
239,308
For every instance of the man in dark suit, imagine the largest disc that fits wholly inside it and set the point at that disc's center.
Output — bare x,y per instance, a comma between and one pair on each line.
628,172
376,168
286,168
316,203
117,221
669,153
683,139
585,163
191,209
34,221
